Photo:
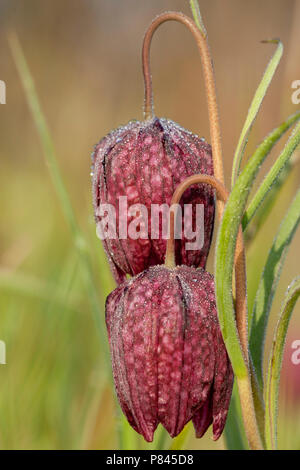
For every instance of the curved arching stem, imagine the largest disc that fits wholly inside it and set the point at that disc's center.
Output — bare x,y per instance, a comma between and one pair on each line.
209,80
240,271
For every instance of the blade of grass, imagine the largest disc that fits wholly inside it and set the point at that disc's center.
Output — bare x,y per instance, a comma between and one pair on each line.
270,179
43,131
254,107
258,320
275,363
51,160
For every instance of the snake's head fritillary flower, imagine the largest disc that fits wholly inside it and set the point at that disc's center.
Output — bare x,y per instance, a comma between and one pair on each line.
145,162
169,360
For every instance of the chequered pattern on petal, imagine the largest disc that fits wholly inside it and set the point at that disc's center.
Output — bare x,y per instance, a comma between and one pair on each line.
146,161
169,361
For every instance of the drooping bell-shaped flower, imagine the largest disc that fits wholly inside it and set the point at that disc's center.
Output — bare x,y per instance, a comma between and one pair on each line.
169,360
145,162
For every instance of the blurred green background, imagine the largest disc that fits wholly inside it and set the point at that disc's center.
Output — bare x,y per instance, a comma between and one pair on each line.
84,55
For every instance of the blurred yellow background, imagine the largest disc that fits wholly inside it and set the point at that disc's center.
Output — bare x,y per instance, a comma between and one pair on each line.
84,56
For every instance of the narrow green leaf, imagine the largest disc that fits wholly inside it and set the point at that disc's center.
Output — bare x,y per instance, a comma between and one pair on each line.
258,321
275,363
273,176
197,16
254,108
